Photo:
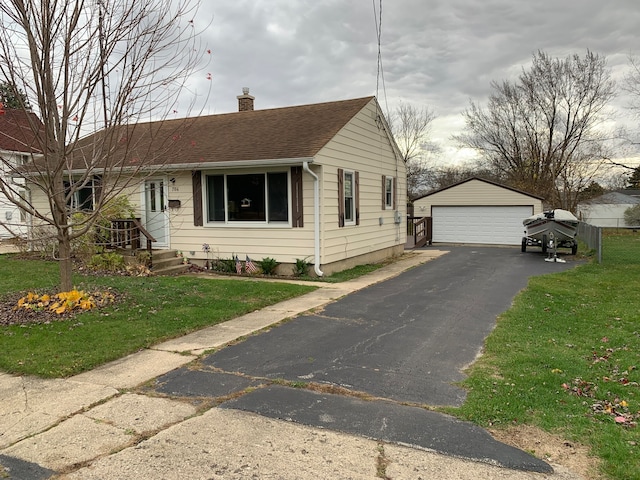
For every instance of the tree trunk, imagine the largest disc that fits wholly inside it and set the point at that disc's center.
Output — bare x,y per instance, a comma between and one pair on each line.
64,244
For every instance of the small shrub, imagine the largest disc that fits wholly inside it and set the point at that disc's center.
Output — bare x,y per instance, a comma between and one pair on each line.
223,265
301,267
143,257
268,265
632,216
87,245
110,261
42,241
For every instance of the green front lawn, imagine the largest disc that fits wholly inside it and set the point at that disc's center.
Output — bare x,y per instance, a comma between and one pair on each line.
150,310
566,358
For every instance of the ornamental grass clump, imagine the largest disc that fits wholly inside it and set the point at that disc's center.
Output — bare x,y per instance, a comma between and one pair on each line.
64,302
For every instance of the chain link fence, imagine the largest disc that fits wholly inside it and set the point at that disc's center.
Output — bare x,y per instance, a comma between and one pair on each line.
611,245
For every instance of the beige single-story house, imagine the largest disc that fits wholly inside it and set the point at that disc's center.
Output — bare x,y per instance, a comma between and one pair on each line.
607,210
323,183
478,211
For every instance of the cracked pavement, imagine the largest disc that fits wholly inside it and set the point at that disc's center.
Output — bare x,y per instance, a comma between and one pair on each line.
111,423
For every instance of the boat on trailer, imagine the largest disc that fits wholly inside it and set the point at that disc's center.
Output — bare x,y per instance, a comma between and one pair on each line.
551,229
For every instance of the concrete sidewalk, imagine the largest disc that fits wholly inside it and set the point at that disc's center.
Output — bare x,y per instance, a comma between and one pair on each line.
96,426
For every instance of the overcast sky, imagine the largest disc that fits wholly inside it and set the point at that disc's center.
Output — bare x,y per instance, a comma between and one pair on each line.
436,54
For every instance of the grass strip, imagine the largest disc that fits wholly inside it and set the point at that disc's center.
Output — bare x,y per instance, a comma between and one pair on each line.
152,309
566,358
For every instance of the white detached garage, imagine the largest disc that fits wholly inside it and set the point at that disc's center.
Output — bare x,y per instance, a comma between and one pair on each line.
477,211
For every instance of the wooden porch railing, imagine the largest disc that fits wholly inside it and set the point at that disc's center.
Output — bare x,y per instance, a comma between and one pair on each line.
127,233
421,228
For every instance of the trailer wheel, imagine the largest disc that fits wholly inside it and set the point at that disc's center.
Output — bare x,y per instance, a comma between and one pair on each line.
545,244
523,248
574,248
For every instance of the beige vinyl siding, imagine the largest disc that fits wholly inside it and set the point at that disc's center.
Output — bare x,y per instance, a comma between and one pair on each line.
284,243
40,201
475,192
38,198
360,146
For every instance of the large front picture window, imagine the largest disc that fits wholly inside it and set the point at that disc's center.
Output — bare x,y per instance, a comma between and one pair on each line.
253,197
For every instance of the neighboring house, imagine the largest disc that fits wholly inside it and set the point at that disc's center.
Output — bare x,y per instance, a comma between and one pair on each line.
322,183
607,210
477,211
17,146
630,191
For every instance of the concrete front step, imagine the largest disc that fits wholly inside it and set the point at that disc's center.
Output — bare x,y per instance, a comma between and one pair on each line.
166,262
172,270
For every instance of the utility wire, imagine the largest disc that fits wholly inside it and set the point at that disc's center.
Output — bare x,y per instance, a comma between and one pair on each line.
380,76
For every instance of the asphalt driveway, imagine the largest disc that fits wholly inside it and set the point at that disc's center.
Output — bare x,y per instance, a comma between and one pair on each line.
380,355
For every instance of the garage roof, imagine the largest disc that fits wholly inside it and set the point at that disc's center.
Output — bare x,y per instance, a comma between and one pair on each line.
482,180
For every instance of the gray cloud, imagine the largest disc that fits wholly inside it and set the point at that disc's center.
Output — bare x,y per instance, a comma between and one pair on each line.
435,53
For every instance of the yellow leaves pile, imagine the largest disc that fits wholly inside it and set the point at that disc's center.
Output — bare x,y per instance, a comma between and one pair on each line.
64,302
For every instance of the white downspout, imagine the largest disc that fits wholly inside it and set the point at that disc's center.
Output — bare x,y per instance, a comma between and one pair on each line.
316,219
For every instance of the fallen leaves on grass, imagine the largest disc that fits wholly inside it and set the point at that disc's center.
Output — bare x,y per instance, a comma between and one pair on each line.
64,302
36,308
611,408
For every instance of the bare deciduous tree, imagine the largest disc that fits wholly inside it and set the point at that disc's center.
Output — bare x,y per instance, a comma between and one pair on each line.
411,128
544,133
444,176
88,66
632,86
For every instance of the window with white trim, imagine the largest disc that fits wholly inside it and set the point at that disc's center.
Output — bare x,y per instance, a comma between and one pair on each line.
253,197
388,193
349,198
82,197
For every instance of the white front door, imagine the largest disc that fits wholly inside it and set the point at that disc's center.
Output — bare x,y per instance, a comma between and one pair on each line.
156,213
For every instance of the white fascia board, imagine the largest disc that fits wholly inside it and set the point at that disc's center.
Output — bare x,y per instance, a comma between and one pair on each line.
279,162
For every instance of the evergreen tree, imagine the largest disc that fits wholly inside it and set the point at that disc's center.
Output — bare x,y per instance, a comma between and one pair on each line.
634,179
12,97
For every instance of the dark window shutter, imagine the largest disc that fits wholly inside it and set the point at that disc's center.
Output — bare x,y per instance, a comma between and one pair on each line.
196,180
384,192
357,195
340,197
297,211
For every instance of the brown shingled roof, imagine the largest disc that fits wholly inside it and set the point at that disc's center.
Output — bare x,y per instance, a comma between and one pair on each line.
16,131
273,134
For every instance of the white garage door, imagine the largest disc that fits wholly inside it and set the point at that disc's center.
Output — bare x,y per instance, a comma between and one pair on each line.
489,225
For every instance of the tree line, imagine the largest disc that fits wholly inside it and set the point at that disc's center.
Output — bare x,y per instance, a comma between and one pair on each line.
544,133
106,65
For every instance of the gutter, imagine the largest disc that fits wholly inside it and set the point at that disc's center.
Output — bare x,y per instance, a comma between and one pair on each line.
316,219
162,167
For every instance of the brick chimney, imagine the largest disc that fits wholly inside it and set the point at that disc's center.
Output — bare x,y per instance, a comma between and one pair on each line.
245,101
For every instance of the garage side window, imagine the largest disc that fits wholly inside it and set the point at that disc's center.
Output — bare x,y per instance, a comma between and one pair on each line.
348,198
388,193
